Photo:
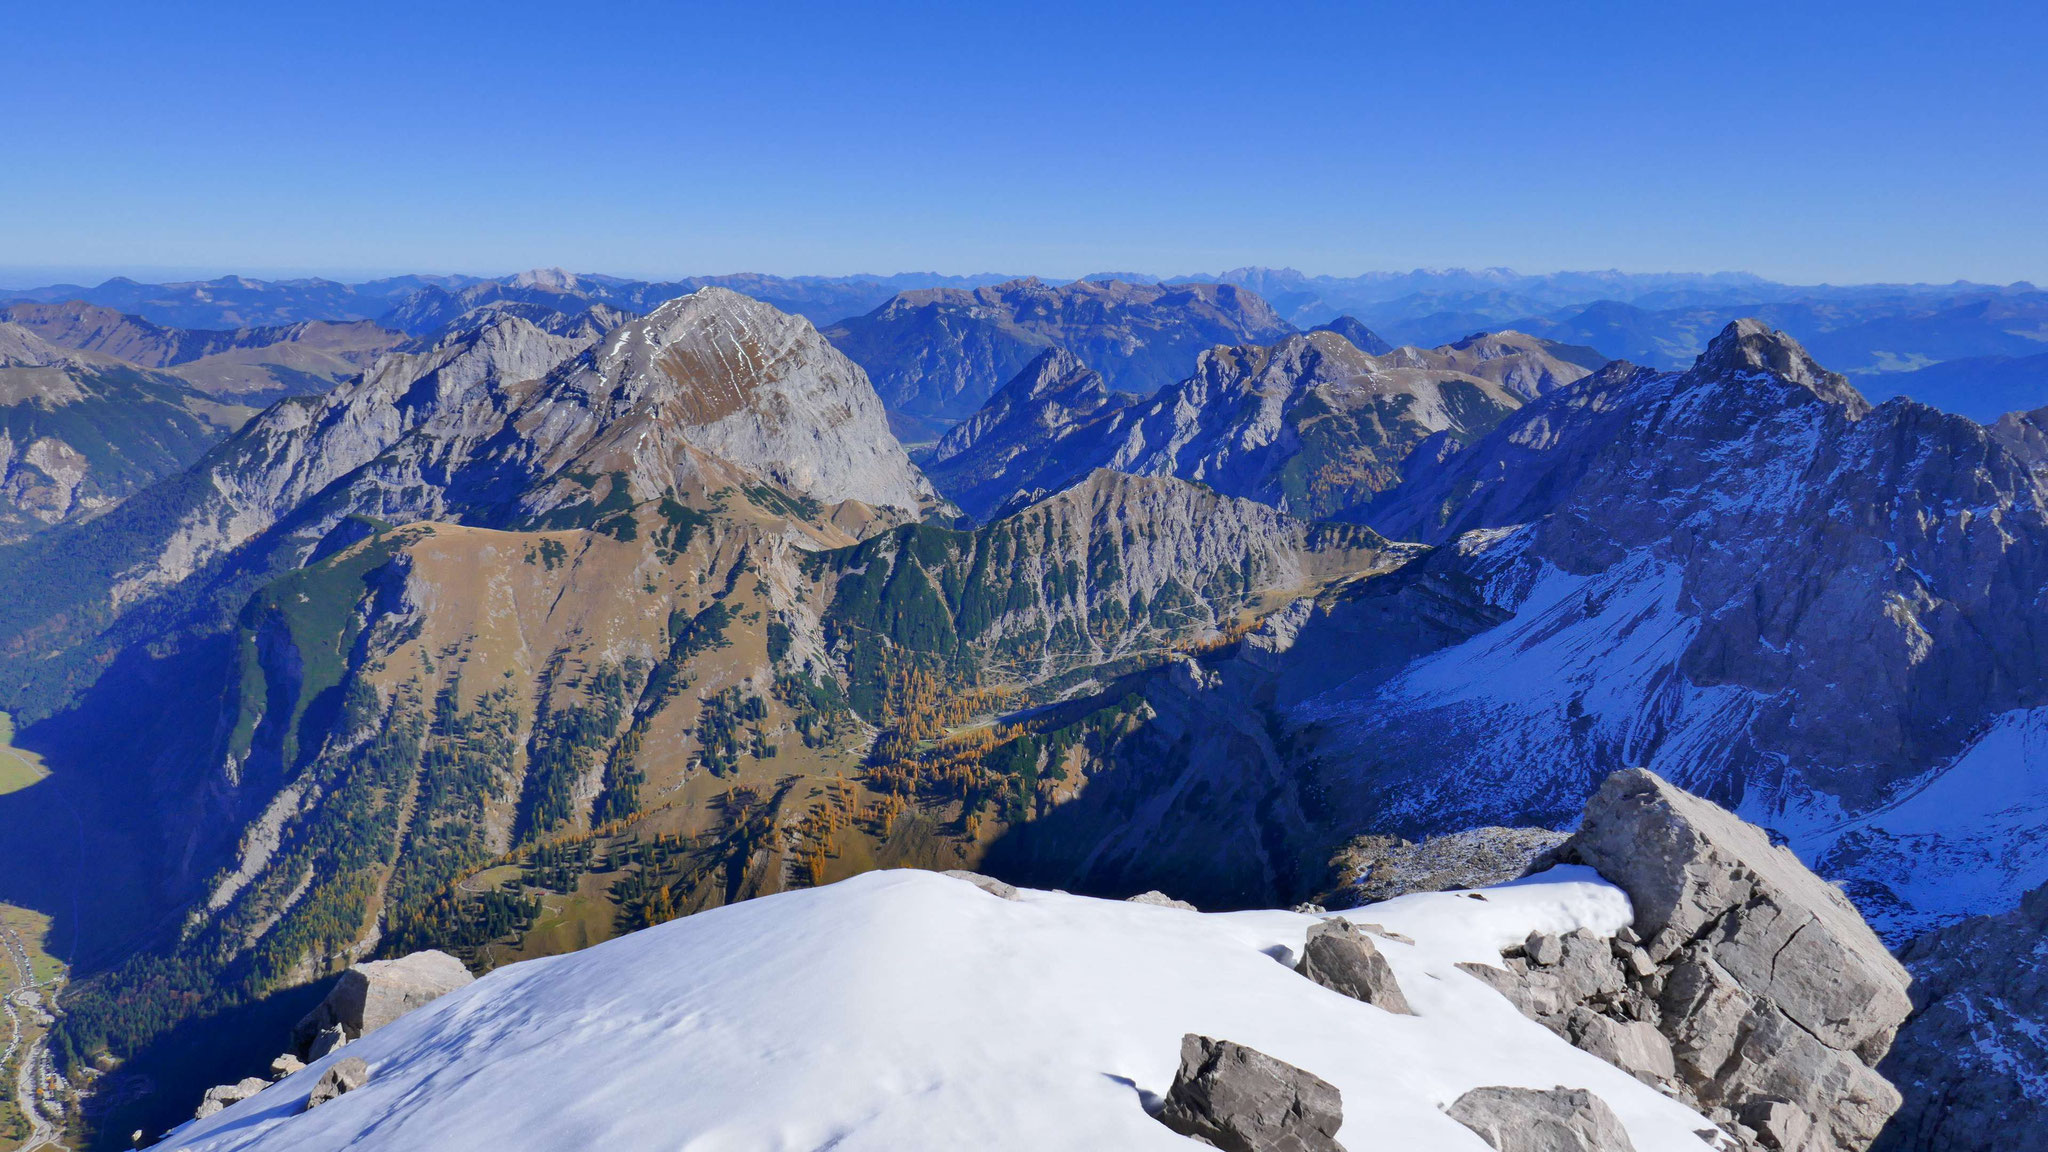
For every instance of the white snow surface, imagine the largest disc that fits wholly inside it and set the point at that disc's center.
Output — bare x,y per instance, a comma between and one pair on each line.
908,1010
1970,837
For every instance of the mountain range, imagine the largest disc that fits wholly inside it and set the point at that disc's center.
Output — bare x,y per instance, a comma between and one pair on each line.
1880,335
940,352
1311,423
557,621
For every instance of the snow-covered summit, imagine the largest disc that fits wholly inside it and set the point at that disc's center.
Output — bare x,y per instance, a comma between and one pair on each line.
908,1010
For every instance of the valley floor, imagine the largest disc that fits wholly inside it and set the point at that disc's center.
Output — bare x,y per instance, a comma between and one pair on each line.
29,978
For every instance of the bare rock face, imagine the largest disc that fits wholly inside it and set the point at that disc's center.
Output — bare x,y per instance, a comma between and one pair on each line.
735,378
1241,1100
1160,899
344,1076
1971,1059
1531,1120
369,996
1758,986
1341,957
1314,423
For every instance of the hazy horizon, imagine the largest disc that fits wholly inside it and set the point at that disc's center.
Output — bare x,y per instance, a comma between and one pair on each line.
19,278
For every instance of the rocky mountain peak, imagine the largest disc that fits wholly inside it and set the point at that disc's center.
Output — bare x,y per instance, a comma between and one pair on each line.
1286,366
1056,371
2025,435
1039,402
1747,347
733,377
1354,330
558,279
1044,429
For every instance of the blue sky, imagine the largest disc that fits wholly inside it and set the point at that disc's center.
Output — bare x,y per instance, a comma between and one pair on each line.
1806,142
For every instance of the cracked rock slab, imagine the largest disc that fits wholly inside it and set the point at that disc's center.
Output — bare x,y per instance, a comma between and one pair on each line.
1772,990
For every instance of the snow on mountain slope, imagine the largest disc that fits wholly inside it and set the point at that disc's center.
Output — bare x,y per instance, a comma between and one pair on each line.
1590,671
1970,837
1747,579
907,1010
1586,673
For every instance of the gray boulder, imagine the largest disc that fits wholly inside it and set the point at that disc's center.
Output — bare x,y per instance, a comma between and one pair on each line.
369,996
1634,1046
1341,957
285,1065
1769,986
343,1076
1529,1120
1241,1100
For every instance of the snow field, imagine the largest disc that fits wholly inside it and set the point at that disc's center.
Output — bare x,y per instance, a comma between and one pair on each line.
907,1010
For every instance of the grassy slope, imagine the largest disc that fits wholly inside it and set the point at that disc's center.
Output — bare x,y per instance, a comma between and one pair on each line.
18,768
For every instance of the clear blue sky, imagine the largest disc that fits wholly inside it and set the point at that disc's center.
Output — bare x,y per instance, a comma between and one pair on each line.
1850,142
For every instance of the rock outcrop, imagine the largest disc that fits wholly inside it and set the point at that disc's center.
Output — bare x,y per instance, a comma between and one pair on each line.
1756,992
734,378
343,1076
1241,1100
988,884
1379,867
1160,899
369,996
325,1040
1541,1120
1117,566
1341,957
226,1095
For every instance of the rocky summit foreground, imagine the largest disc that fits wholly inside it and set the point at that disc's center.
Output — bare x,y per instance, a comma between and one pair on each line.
915,1009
